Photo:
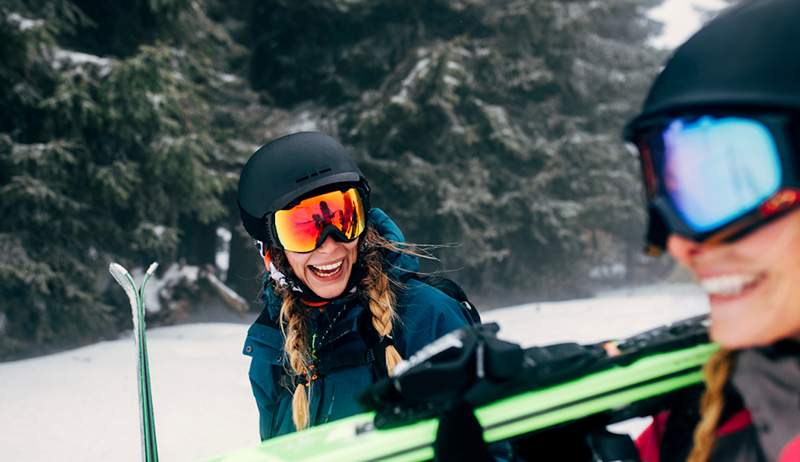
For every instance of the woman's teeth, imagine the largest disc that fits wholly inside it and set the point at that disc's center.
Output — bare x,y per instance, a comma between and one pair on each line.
326,270
729,285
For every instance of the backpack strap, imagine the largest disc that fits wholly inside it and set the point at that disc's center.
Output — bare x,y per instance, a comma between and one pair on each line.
376,346
450,288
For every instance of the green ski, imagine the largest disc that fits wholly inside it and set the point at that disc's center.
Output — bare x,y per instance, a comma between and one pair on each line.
607,378
136,299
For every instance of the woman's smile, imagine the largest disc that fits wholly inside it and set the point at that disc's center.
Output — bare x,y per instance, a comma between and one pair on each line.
732,286
326,270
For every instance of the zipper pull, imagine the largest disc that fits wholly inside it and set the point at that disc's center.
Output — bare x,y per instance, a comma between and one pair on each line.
314,346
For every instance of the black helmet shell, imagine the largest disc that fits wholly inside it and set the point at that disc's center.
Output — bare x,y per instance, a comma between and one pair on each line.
287,168
745,58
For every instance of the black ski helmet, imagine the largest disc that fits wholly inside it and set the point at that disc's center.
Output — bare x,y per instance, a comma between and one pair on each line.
744,59
286,169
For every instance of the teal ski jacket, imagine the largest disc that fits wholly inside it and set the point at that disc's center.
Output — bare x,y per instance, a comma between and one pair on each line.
343,333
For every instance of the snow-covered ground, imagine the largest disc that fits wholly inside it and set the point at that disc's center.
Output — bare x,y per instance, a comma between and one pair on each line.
81,405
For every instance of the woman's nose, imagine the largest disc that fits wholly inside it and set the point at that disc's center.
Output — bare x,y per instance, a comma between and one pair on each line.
328,245
683,249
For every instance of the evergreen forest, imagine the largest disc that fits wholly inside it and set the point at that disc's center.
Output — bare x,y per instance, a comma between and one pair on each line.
489,128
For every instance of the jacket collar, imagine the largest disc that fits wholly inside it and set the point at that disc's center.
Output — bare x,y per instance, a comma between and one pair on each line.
768,379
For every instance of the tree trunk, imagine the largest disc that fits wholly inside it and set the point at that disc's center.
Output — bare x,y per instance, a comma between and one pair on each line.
246,267
198,244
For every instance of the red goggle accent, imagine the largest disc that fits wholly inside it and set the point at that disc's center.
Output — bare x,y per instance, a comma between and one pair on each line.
780,201
651,183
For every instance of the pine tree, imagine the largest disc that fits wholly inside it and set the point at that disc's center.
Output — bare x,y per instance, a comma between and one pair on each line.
494,125
117,148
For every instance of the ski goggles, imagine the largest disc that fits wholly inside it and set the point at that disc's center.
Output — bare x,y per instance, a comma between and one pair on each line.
303,226
715,177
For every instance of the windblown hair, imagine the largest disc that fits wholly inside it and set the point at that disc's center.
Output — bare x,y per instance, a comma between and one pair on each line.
717,371
374,287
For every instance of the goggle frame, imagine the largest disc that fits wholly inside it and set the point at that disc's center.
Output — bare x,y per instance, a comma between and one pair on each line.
363,192
783,127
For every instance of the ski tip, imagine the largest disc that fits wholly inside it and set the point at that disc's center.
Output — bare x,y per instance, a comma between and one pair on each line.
117,270
151,269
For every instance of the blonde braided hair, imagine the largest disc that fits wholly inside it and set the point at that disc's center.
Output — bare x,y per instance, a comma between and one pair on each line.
717,371
375,285
294,327
381,299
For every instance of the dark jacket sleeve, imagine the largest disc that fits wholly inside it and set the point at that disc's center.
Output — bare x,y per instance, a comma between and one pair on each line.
263,345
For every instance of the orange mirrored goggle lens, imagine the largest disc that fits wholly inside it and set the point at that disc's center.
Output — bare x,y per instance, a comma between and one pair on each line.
300,228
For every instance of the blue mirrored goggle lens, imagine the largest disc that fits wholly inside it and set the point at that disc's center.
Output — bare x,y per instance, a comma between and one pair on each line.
717,169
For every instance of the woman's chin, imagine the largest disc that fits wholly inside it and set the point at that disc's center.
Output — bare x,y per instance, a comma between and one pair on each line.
328,287
733,334
729,340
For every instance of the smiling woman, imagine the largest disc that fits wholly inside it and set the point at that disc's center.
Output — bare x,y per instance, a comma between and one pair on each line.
718,142
341,306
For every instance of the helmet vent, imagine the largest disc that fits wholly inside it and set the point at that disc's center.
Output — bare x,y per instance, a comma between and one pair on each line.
312,175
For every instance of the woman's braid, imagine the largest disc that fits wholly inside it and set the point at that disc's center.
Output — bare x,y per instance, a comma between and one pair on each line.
717,371
296,348
381,299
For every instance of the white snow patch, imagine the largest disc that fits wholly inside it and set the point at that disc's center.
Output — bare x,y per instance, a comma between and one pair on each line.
85,400
454,66
171,276
681,19
499,118
166,142
227,78
24,23
419,72
223,255
303,123
613,315
65,58
156,99
607,271
34,150
400,98
451,81
463,52
224,234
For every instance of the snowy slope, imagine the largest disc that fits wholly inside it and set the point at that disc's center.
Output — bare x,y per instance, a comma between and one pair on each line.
81,405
